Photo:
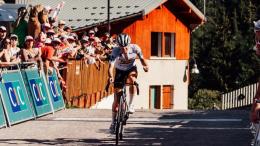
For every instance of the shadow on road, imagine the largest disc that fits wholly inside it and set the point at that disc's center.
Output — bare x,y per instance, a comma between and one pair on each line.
192,133
58,141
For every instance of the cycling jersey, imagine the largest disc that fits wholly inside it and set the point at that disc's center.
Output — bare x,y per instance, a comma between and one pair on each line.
125,61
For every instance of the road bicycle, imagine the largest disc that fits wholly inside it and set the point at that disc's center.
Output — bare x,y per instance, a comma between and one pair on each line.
123,110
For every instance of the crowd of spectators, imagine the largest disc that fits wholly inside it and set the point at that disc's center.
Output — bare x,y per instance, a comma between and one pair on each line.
54,45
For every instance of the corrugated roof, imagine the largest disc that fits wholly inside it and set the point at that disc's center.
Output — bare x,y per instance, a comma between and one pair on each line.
82,13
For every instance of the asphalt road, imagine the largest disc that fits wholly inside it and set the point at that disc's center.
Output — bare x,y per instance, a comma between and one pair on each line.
168,128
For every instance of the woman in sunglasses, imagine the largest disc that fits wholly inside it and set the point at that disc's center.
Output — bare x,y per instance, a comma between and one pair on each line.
31,54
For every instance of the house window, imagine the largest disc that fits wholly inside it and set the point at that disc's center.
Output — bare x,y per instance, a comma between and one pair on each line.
156,44
155,100
157,49
169,39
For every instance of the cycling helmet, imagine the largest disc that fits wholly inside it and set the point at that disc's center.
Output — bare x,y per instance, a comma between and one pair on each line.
123,40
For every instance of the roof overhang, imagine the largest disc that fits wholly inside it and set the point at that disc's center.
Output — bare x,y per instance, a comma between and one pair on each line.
189,13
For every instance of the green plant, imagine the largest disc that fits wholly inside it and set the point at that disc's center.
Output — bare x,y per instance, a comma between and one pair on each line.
205,99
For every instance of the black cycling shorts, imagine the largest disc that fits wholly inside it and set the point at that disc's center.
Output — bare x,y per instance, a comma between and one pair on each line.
121,76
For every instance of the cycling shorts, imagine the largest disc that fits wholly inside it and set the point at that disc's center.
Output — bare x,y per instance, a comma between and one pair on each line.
121,76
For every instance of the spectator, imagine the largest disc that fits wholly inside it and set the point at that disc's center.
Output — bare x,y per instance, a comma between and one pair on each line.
6,56
50,34
30,54
91,35
14,47
46,27
73,45
67,30
82,52
107,42
5,60
50,56
40,41
2,35
20,25
60,29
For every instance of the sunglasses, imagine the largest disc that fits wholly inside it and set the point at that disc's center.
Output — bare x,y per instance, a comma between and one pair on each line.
14,39
3,31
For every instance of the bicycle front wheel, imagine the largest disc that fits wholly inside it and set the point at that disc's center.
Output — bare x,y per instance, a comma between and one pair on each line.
119,123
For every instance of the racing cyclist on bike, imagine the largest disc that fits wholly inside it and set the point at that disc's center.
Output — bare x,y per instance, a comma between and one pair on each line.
123,59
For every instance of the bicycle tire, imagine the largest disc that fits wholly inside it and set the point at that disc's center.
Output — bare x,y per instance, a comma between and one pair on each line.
121,126
117,129
119,121
123,113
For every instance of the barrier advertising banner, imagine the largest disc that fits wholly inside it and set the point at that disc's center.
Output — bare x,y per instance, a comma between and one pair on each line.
15,98
55,92
2,117
37,91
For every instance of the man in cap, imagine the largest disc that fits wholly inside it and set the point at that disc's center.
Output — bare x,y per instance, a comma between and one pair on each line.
49,52
256,103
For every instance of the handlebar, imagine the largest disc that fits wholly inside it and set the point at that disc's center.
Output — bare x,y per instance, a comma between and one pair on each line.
126,84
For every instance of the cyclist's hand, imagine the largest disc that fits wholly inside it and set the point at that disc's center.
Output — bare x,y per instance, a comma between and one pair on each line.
146,68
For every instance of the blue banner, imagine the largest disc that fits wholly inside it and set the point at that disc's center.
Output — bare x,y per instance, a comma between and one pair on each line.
37,91
55,92
15,98
2,117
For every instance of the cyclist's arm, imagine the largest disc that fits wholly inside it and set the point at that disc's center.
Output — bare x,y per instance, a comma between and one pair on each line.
141,57
112,60
110,70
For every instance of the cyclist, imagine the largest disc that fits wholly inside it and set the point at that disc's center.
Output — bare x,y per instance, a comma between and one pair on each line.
256,105
123,59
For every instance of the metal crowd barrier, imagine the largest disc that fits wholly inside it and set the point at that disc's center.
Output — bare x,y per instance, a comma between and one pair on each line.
26,93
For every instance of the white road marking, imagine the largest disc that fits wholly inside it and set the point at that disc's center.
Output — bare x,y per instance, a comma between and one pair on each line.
148,120
210,128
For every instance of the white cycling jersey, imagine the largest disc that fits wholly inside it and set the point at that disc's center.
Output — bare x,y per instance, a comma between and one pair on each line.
127,61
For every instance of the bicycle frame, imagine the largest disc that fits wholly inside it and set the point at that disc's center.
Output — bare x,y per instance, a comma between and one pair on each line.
122,112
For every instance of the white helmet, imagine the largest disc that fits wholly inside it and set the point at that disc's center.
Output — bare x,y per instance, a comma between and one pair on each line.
123,40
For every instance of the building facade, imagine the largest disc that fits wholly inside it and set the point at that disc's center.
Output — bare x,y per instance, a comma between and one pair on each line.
162,28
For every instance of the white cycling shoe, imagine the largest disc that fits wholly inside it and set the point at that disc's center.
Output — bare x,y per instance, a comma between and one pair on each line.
131,109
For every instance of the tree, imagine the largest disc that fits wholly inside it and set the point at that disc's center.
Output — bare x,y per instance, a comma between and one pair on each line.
223,45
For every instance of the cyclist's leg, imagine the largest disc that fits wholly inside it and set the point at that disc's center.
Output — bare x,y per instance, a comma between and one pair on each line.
132,89
114,107
119,77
